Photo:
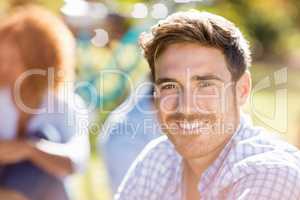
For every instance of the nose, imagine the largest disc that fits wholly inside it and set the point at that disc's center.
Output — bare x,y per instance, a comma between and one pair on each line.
190,102
186,104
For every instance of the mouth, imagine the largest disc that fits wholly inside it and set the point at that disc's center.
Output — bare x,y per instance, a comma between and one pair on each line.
194,127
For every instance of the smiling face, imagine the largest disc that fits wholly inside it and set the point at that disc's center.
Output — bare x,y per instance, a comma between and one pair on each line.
197,101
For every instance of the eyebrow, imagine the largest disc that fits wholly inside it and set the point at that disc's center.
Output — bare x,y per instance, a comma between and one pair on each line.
206,77
195,78
163,80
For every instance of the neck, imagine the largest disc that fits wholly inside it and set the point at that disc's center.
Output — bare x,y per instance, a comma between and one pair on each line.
200,164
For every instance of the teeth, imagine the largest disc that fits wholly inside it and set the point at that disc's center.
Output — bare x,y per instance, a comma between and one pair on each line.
190,126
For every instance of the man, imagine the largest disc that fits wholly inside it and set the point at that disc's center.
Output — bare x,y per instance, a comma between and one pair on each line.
199,64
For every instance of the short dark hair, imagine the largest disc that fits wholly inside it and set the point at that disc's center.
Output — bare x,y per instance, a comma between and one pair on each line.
204,28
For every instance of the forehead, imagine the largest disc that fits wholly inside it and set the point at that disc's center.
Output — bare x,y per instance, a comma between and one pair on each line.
182,61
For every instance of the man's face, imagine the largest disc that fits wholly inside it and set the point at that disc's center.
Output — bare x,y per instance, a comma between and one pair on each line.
196,98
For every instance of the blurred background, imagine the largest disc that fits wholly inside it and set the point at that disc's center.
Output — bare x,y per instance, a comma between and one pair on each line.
107,32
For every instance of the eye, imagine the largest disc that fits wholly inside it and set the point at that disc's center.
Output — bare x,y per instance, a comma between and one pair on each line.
168,86
204,84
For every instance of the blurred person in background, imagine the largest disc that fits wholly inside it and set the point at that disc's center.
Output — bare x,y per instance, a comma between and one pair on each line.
127,131
132,124
43,124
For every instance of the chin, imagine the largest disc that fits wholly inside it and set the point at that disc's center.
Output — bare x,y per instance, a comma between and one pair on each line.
191,147
191,154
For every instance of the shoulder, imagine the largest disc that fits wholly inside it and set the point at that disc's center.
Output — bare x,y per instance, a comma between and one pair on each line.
275,183
259,161
158,154
265,149
262,154
155,164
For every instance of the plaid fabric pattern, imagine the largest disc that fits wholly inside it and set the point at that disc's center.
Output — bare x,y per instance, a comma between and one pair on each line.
253,165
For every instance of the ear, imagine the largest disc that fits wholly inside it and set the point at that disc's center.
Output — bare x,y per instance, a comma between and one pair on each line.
243,88
155,98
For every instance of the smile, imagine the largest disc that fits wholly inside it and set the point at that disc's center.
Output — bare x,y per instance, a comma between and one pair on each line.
194,126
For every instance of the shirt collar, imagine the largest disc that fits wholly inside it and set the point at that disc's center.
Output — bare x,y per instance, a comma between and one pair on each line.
212,170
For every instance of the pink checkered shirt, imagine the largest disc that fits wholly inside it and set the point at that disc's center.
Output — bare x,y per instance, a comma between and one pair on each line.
254,165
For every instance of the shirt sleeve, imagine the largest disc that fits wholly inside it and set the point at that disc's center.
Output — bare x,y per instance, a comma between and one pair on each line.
148,176
129,190
275,184
135,184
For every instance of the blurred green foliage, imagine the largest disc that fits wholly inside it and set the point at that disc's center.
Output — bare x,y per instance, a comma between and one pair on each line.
272,26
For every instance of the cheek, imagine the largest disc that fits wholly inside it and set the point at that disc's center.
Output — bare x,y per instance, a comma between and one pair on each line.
207,105
168,104
161,115
223,102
